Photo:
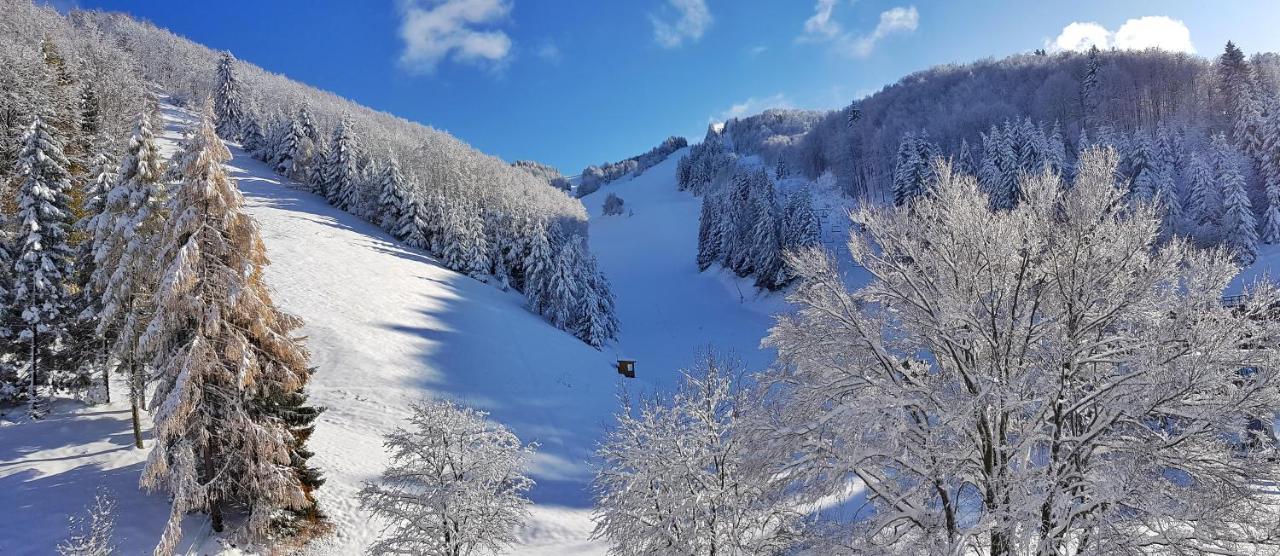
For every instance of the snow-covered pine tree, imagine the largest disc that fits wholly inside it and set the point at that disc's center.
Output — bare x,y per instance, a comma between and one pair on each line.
964,159
1239,228
709,227
736,236
680,474
800,223
1269,171
392,194
561,293
251,138
1249,131
340,180
124,255
597,322
292,153
905,179
464,246
219,346
308,125
1202,192
1033,148
539,263
43,262
766,244
228,100
456,484
409,228
1089,86
1055,154
1235,81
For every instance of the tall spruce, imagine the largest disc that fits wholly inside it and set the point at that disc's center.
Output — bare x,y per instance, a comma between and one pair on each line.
43,265
228,100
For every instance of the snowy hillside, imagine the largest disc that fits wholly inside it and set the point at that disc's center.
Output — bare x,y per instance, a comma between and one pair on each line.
386,326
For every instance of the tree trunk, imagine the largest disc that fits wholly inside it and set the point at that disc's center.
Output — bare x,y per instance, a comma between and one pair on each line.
34,398
134,403
105,361
215,504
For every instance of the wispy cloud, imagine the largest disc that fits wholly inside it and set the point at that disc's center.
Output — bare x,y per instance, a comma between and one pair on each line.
549,52
822,27
691,20
458,30
757,50
753,105
1153,31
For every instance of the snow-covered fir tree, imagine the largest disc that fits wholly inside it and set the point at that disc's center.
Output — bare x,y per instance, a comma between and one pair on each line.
392,195
800,222
1239,228
456,484
964,444
293,153
43,260
679,474
596,322
220,350
125,273
340,173
539,264
1204,200
251,137
709,229
92,351
766,241
228,99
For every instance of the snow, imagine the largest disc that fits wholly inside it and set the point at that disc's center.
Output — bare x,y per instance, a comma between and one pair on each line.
388,325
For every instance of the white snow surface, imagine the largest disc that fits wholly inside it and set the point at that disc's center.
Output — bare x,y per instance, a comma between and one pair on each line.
388,325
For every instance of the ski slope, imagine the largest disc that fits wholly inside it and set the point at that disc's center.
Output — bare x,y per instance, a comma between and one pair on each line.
387,325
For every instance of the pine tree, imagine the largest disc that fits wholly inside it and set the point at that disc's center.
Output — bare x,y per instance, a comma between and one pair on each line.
43,265
1055,155
709,231
1089,86
228,100
904,178
766,244
220,349
964,160
392,197
562,286
538,266
252,140
308,125
1234,82
1203,199
124,254
292,153
340,178
1239,228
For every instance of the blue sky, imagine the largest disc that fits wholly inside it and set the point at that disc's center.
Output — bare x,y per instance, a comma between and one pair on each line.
572,82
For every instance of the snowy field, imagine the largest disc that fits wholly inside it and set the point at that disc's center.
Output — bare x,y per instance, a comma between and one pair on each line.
386,326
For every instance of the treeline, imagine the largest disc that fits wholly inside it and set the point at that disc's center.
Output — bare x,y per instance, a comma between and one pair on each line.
1212,188
547,173
545,259
595,176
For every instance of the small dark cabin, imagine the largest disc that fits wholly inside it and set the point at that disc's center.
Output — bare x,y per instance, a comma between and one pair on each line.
627,367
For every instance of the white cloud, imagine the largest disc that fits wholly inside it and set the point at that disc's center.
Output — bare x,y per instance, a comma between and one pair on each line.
692,20
757,50
549,52
458,30
752,106
821,24
1153,31
820,27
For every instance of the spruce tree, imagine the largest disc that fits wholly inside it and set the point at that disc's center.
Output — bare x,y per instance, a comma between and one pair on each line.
90,348
539,261
709,231
340,170
1239,228
1203,200
221,351
228,102
124,253
391,199
43,265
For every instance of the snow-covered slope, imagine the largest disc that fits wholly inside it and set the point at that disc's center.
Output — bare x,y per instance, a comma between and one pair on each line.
386,326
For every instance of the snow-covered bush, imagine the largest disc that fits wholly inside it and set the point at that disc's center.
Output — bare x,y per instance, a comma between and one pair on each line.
679,475
92,534
612,205
1043,379
456,484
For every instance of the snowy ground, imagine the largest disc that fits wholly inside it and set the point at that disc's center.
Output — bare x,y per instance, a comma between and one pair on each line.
387,325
